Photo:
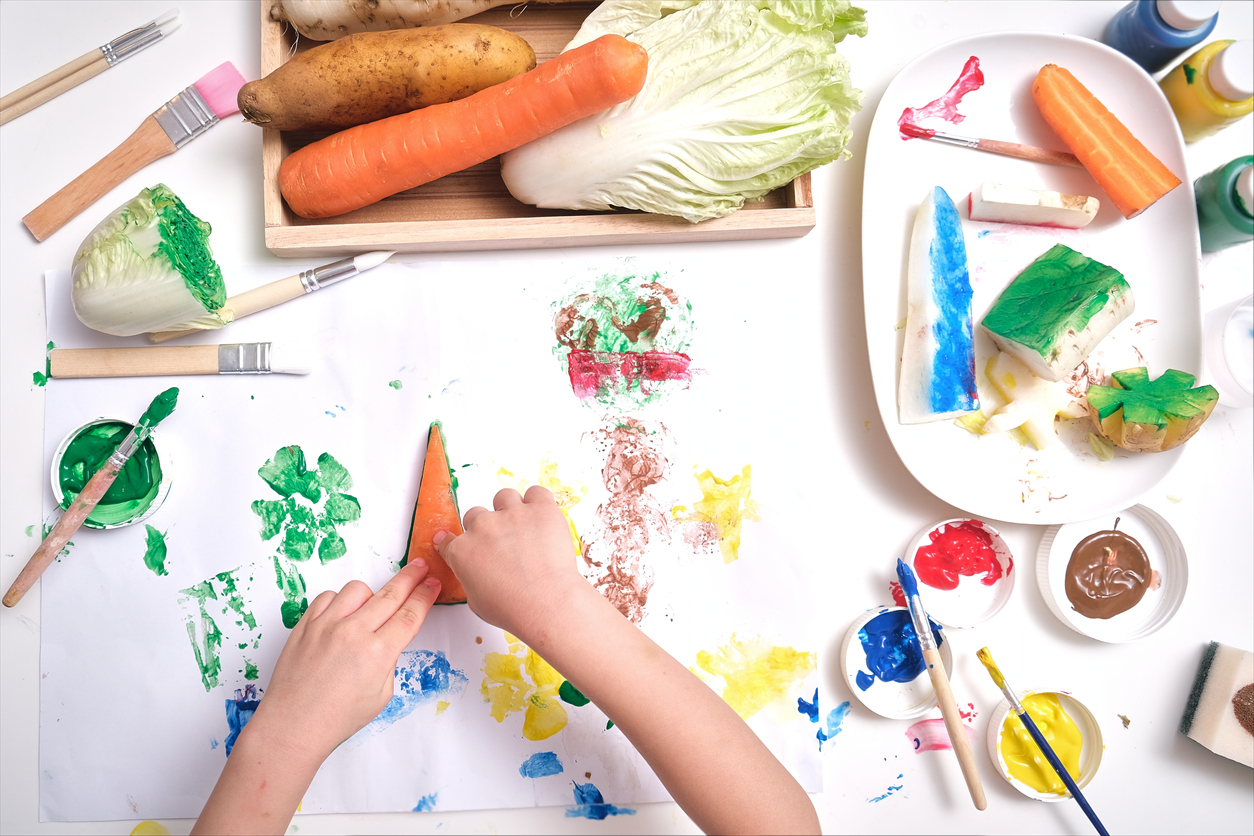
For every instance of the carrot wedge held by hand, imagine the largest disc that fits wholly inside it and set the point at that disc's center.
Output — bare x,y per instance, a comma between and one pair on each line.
364,164
436,510
1130,175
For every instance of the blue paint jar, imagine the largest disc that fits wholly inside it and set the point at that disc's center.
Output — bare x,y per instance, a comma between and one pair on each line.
1225,205
1154,32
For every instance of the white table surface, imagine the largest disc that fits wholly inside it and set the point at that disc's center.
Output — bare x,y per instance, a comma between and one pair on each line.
1152,779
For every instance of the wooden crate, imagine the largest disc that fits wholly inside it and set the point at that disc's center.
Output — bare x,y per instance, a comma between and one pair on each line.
472,209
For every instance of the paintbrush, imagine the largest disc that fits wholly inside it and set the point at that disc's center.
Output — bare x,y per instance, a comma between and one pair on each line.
169,128
940,684
1017,707
151,361
292,287
48,87
87,499
995,146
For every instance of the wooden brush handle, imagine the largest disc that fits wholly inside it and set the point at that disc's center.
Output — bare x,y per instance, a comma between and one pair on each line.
133,362
149,142
48,87
1029,152
248,302
953,725
71,521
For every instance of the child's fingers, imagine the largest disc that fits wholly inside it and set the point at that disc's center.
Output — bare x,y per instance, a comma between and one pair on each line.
318,607
399,630
536,493
469,517
375,611
349,599
506,497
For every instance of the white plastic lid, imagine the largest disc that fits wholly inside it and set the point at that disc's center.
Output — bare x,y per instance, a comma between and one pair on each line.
1187,14
1232,71
1245,189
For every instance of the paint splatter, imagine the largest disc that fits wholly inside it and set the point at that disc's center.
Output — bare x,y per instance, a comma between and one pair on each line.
250,670
570,694
892,650
421,676
238,712
521,681
724,506
946,107
748,674
39,379
395,384
631,517
426,804
834,717
931,735
567,497
155,554
150,828
292,585
892,790
590,804
622,340
540,764
1125,720
202,630
899,597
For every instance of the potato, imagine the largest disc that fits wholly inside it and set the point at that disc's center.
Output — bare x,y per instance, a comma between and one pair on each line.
372,75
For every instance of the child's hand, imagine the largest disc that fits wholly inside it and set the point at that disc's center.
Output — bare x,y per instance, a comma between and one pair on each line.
517,563
335,672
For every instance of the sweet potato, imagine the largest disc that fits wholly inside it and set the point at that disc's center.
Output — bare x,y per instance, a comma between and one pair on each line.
372,75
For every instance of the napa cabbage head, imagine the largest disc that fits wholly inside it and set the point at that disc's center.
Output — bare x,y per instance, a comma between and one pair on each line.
148,267
741,97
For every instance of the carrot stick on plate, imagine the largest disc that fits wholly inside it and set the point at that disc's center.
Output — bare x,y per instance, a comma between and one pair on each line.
364,164
1125,169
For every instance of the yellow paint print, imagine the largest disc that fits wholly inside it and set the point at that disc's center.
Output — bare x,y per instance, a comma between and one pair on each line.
521,681
441,706
566,496
753,673
725,504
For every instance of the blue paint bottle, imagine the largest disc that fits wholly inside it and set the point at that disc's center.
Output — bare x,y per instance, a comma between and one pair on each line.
1155,32
1225,205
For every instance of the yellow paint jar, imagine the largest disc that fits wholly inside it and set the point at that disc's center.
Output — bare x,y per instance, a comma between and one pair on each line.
1211,89
1072,731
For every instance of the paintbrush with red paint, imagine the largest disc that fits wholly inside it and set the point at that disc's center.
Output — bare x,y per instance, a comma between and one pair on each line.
994,146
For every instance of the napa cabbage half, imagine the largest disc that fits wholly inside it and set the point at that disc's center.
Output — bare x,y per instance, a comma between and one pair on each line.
741,97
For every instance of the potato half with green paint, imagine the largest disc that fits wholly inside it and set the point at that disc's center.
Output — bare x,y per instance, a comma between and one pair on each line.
372,75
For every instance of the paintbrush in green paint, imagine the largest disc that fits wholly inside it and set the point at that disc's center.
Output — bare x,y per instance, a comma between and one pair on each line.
87,499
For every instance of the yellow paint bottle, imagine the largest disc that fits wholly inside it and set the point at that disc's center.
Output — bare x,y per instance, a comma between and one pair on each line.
1212,88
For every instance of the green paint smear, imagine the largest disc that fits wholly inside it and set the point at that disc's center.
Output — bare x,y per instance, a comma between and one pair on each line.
1057,294
395,384
288,475
207,646
234,600
1189,73
154,556
39,378
305,528
30,531
250,670
160,408
570,694
292,585
609,725
137,483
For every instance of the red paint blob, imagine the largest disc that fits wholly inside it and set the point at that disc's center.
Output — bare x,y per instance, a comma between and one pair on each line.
593,371
946,107
899,597
963,549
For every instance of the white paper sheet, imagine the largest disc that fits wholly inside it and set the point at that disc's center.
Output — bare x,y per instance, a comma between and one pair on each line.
128,727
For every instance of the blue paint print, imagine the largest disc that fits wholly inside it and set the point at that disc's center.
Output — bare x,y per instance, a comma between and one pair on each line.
984,233
427,803
421,676
953,364
540,764
892,650
213,743
891,791
238,712
329,412
834,719
809,709
591,804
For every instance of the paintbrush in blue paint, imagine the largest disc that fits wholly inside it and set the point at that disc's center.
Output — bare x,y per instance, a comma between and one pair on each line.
1017,707
89,497
940,684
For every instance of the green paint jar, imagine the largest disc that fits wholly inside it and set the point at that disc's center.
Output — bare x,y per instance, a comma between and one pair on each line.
1225,198
138,491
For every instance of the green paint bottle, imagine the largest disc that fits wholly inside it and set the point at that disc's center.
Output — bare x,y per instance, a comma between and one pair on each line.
1225,205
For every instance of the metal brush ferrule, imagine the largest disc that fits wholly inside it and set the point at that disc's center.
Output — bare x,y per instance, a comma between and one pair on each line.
320,277
954,139
123,452
185,117
125,46
244,358
921,626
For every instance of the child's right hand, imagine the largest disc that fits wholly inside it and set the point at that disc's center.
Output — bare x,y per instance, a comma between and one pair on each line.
516,562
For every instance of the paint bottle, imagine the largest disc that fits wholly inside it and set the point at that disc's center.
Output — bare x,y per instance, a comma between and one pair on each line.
1154,32
1212,88
1225,205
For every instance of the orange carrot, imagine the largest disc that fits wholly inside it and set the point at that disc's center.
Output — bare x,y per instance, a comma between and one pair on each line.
1124,168
436,510
364,164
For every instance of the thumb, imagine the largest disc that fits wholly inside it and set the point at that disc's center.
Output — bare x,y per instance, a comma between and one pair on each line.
442,541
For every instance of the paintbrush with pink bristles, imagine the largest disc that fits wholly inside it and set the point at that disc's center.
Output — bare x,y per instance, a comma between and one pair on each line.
173,125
